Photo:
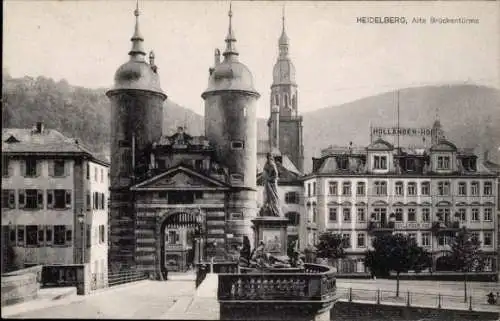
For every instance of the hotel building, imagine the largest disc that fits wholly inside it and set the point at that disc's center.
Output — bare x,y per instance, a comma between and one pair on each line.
426,193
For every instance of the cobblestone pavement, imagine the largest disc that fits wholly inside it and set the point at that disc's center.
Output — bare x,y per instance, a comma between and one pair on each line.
176,299
146,300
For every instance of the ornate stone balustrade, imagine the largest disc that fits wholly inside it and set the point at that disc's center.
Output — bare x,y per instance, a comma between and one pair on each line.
314,282
306,293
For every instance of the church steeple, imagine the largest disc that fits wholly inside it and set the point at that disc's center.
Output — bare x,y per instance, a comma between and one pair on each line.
230,52
285,123
137,52
283,41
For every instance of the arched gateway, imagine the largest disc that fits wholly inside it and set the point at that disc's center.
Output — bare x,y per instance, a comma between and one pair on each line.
180,240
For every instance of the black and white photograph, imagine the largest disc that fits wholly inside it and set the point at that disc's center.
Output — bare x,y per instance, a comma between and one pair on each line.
251,160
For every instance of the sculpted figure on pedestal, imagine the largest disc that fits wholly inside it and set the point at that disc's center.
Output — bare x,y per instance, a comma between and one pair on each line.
271,205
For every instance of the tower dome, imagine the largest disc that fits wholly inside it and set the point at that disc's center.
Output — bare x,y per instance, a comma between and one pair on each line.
230,74
284,72
137,73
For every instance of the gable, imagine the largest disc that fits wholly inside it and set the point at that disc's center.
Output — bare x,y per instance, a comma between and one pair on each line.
444,146
12,139
180,178
380,144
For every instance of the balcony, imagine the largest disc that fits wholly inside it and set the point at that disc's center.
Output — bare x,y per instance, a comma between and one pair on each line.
380,227
445,226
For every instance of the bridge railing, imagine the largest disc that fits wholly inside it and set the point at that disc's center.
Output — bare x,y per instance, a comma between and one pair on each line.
216,267
126,277
420,299
314,283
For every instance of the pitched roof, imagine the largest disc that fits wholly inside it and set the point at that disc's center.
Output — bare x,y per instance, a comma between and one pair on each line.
494,167
23,140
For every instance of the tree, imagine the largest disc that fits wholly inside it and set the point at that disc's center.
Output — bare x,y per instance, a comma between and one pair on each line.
330,246
466,254
398,253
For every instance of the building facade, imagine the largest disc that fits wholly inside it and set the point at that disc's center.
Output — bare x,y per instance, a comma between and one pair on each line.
177,200
426,193
48,181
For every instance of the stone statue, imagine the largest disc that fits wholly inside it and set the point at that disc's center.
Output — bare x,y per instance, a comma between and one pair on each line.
271,205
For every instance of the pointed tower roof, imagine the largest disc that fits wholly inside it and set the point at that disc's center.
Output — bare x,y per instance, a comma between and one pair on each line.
137,39
284,70
283,38
230,74
136,73
230,38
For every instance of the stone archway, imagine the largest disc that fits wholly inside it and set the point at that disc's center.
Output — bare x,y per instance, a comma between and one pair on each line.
174,219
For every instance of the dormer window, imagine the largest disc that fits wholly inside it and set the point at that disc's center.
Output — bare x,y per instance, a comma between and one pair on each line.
379,162
411,165
11,140
443,162
469,164
343,162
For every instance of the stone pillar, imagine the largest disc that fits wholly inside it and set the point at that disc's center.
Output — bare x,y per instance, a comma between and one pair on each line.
272,231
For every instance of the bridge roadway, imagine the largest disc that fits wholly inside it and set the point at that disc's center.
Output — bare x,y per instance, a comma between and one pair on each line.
178,299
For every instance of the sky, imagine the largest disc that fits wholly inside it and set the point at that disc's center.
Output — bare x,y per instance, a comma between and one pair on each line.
337,59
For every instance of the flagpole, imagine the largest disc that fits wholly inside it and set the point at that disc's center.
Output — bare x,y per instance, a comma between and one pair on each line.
398,121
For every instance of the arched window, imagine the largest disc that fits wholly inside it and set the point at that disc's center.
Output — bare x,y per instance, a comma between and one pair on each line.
277,100
293,218
286,100
294,102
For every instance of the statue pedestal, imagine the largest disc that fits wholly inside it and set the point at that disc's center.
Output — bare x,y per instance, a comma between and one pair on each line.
272,231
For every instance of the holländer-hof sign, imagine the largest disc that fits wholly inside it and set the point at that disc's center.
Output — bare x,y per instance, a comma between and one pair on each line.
402,131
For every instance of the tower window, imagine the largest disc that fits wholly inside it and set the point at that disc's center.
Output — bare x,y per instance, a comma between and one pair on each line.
236,216
236,178
237,144
277,100
286,100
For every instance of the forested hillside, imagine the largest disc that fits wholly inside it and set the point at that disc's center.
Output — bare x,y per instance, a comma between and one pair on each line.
75,111
469,114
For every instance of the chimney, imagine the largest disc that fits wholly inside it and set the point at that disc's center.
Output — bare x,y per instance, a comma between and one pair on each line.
39,127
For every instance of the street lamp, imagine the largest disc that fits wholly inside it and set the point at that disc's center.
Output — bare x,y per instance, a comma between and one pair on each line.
81,220
198,232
